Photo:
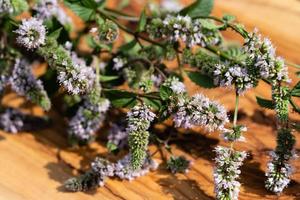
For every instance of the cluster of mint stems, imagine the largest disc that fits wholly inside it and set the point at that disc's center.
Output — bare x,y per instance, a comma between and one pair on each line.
113,15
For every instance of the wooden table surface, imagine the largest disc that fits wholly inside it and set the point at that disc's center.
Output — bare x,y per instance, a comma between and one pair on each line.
34,165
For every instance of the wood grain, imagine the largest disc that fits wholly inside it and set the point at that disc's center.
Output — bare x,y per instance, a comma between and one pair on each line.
34,165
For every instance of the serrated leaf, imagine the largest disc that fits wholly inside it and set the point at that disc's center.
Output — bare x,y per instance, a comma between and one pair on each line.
198,8
83,12
19,6
55,34
165,92
89,4
241,29
130,47
236,53
121,98
201,79
108,78
296,90
153,103
142,22
208,24
265,103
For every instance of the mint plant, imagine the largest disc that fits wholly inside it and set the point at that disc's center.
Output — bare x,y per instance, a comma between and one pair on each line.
89,84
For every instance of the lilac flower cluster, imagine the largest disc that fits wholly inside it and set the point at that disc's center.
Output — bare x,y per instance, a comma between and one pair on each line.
80,72
175,28
14,121
123,168
46,9
87,120
278,174
279,169
31,33
101,169
95,177
11,121
171,5
73,73
226,75
175,84
3,80
6,6
118,136
200,111
227,172
262,56
119,63
24,83
157,80
138,119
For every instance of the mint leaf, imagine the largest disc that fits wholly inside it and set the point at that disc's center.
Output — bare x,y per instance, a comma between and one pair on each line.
19,6
121,98
55,34
81,11
108,78
265,103
153,103
165,92
201,79
198,8
142,22
296,90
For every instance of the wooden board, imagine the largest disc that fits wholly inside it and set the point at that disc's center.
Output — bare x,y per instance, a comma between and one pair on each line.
34,165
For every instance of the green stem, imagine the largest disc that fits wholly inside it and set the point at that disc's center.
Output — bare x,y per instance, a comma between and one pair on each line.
124,28
179,65
292,64
236,108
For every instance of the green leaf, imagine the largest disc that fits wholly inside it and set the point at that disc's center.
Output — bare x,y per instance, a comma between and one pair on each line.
123,4
198,8
296,90
208,24
241,29
201,79
55,34
121,98
165,92
228,18
83,12
142,23
108,78
111,146
265,103
19,6
153,103
128,46
236,53
89,4
295,107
